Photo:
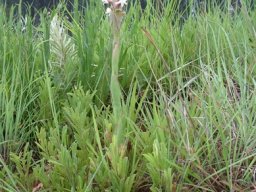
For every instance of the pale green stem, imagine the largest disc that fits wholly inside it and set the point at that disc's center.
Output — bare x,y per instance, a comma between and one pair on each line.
115,89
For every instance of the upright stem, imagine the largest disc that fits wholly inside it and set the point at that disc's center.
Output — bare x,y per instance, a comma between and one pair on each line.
115,89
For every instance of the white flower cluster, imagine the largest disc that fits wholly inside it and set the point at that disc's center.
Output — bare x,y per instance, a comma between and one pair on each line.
114,5
115,11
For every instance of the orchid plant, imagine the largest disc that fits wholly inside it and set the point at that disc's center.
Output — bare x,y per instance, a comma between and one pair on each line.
115,11
117,152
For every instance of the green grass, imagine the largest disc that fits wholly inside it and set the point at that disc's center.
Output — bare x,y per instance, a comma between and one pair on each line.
189,106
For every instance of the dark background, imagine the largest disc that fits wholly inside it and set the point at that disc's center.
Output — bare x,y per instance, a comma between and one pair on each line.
182,6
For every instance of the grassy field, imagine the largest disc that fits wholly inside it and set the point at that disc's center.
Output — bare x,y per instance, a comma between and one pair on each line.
188,110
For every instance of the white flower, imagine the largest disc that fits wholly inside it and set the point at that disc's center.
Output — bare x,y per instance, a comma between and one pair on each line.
122,3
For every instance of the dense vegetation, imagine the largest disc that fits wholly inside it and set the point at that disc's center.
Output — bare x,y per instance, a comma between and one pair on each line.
188,102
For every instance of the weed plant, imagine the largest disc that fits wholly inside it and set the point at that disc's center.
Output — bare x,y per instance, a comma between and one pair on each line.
188,101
